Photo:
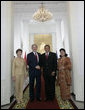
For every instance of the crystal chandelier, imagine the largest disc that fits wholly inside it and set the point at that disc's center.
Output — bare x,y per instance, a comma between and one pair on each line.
42,14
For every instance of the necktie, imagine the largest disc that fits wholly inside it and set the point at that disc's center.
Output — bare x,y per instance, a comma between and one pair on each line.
36,57
47,56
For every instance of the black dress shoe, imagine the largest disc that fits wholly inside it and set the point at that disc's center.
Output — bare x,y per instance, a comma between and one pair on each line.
46,99
39,99
51,99
31,100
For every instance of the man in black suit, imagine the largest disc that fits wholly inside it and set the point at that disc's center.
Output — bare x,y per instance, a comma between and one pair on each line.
49,64
34,62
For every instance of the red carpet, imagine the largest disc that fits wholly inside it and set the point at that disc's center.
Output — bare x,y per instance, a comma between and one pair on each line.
43,105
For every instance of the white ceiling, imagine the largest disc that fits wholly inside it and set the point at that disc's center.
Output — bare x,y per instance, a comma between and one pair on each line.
32,6
26,9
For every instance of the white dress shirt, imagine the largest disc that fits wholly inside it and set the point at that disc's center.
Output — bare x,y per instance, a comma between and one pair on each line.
35,53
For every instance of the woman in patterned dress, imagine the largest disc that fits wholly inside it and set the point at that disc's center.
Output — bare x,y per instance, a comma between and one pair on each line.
64,74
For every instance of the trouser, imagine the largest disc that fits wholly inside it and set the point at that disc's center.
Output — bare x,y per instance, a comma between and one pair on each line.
49,87
36,76
19,87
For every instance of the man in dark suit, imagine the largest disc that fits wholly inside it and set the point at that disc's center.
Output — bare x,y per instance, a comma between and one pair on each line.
49,64
34,62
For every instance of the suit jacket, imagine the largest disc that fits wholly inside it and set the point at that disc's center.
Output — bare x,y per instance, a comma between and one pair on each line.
18,67
49,65
31,61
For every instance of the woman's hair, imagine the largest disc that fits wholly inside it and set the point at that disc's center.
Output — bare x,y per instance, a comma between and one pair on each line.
18,50
62,49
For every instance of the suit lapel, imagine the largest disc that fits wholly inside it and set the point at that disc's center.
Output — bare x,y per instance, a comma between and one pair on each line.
49,55
33,56
44,57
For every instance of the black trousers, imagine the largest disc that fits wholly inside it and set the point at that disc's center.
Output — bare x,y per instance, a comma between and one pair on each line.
36,75
49,86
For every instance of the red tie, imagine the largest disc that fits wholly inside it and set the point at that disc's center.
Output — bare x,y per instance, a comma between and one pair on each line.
36,57
47,56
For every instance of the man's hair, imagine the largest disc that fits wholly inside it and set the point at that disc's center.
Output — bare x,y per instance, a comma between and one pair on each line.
34,45
47,46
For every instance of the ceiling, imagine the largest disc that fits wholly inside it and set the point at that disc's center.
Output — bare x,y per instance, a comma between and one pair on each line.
32,6
38,2
26,9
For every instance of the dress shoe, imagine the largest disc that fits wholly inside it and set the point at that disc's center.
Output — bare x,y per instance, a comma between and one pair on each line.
31,100
51,99
39,99
46,99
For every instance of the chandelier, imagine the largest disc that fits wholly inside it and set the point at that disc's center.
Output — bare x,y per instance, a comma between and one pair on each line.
42,14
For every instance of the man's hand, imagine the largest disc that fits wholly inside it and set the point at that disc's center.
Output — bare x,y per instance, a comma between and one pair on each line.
13,78
53,73
37,67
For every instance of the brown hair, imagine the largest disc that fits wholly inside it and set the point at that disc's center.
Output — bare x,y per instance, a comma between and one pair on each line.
47,46
18,50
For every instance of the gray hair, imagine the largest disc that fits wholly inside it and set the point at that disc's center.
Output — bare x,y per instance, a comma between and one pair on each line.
34,45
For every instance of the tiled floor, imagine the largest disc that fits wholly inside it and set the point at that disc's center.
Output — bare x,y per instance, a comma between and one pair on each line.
80,105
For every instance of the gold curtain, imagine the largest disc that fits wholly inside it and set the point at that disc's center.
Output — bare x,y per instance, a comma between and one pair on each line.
41,40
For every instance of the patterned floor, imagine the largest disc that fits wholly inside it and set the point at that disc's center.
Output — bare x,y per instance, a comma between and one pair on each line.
62,104
25,100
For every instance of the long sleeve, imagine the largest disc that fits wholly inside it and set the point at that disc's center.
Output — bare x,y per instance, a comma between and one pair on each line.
68,71
30,61
40,60
68,77
58,64
13,68
68,64
54,63
27,59
25,72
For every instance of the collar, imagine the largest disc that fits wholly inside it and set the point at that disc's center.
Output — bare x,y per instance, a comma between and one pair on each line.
35,52
46,53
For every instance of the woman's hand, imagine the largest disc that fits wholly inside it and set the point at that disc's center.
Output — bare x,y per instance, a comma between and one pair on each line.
53,73
13,78
25,76
27,66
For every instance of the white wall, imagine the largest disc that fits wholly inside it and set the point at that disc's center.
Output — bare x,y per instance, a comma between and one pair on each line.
17,33
6,50
65,34
76,21
59,43
25,28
